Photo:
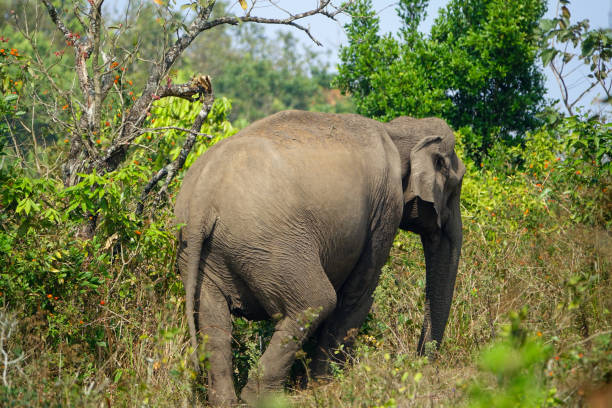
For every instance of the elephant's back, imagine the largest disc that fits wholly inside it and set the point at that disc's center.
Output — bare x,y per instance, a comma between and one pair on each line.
294,128
293,159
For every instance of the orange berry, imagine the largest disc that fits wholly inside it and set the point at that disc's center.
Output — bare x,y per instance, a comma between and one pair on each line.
136,162
557,358
130,82
578,172
64,107
137,232
50,296
66,140
102,302
107,123
81,322
98,141
539,334
55,298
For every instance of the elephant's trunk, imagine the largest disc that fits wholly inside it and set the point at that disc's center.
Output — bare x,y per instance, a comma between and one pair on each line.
442,250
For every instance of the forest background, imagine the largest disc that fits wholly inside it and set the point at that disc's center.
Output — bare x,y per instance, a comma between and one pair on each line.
92,307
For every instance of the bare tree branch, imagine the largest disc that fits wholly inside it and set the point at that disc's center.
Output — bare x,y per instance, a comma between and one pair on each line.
158,129
170,170
198,85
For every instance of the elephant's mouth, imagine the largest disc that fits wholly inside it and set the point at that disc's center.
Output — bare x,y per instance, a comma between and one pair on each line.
419,216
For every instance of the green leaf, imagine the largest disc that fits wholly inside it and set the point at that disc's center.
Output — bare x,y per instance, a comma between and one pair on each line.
548,55
547,24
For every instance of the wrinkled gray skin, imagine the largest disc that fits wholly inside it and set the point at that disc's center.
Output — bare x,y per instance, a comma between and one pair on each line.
296,214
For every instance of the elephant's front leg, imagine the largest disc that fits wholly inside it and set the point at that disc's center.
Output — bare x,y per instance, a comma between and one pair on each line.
308,298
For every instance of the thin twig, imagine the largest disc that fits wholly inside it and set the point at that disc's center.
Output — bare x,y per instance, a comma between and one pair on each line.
170,170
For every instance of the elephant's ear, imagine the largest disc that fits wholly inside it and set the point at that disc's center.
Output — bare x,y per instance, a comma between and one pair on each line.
428,174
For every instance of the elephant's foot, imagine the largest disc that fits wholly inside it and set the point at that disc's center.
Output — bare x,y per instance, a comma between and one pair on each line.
219,400
257,395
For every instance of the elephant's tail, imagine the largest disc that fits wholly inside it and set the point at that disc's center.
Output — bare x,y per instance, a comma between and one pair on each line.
200,230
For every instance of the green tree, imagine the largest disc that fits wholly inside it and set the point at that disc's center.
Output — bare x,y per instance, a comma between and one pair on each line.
489,50
385,77
476,68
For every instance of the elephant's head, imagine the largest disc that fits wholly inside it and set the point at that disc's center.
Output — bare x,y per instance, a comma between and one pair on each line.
431,171
431,177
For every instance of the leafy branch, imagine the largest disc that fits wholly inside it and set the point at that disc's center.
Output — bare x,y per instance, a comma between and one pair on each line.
565,47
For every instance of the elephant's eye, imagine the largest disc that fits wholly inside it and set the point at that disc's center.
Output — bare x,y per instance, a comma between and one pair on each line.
440,163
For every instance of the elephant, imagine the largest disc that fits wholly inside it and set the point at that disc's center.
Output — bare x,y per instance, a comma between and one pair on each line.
293,218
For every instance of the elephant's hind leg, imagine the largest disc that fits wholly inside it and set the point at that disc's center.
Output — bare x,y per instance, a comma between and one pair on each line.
215,324
307,299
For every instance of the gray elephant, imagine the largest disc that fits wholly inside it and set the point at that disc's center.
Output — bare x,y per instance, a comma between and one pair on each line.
294,217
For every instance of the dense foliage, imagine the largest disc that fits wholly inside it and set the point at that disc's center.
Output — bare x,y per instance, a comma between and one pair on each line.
477,68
